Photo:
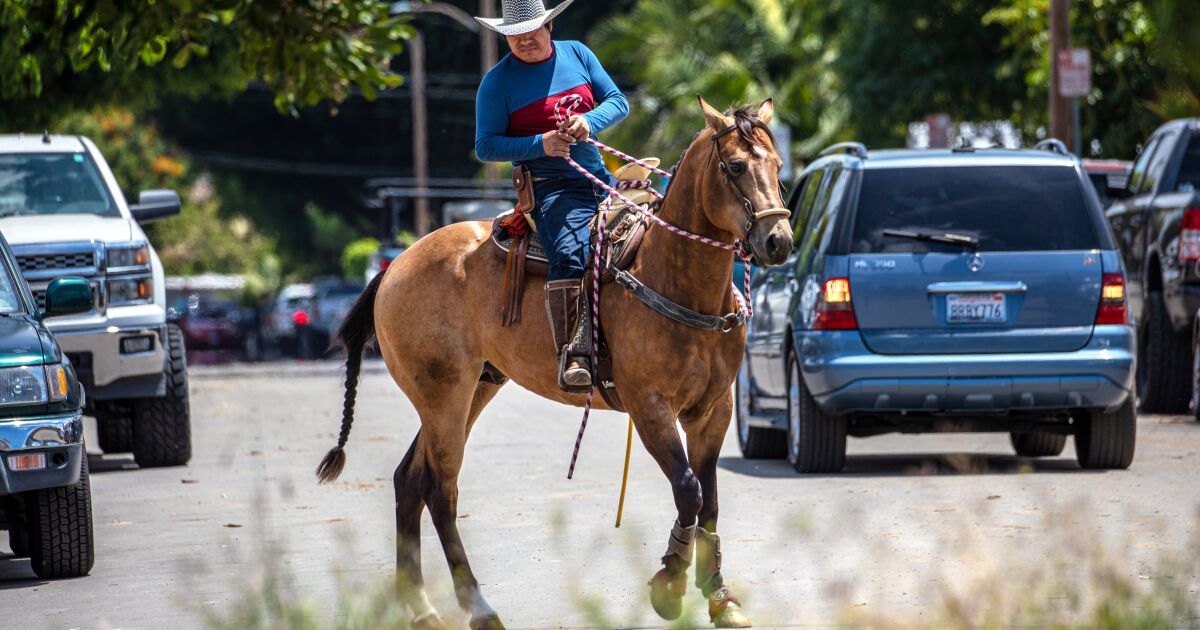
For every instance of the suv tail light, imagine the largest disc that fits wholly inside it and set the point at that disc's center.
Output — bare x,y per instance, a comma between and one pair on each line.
300,318
1189,236
834,310
1112,301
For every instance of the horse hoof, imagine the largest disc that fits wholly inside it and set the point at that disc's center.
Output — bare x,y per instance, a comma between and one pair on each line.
725,611
666,594
487,623
428,621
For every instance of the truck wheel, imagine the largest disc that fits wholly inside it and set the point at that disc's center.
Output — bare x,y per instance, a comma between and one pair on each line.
756,442
162,431
114,426
18,539
816,440
1165,361
1107,440
1038,444
60,528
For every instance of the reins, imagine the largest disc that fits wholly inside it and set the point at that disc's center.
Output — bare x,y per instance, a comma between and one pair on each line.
724,324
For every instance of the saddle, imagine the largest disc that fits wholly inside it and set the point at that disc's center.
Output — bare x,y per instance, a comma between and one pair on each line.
515,239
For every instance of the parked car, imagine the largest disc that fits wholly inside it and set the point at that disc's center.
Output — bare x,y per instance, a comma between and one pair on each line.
931,291
1107,175
330,306
65,216
380,260
289,320
45,497
1156,220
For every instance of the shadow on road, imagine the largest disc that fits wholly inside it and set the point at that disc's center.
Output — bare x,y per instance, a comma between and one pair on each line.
16,573
110,463
911,464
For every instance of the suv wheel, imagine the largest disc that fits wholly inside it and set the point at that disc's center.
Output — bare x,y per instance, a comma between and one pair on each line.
59,528
756,442
1164,361
1107,440
816,440
162,431
114,427
1038,444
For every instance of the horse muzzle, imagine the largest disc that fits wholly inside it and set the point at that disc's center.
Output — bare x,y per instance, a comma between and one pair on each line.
770,240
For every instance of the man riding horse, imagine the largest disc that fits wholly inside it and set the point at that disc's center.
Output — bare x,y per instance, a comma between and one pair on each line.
515,122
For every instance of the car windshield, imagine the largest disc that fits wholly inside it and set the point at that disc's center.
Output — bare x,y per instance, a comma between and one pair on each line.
1004,208
1189,169
52,183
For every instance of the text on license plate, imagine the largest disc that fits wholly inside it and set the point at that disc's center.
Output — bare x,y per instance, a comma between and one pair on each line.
976,309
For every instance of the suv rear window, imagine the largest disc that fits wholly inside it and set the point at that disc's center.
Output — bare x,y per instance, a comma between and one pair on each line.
1006,208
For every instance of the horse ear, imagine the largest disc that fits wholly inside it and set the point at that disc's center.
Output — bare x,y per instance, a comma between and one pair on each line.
766,111
716,119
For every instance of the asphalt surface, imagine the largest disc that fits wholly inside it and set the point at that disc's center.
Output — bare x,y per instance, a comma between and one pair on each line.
913,521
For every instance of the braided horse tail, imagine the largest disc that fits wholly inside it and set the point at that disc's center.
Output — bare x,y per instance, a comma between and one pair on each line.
355,333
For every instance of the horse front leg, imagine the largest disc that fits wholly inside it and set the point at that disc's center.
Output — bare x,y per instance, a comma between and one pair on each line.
704,438
658,434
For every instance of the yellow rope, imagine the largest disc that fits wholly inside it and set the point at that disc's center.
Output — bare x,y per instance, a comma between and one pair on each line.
625,475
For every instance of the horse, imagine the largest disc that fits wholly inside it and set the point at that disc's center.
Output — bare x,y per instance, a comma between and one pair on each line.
435,316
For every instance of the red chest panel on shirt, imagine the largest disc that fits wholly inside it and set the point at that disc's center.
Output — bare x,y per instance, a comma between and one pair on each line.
537,117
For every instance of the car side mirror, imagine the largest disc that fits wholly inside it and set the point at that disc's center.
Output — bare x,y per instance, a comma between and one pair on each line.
68,296
155,204
1117,193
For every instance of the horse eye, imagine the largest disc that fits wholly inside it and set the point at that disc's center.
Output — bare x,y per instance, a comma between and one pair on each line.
737,168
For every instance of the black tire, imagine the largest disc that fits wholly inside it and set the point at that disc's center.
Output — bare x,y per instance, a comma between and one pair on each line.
18,539
816,440
1196,373
1164,362
1038,444
756,442
60,529
1107,440
114,427
162,430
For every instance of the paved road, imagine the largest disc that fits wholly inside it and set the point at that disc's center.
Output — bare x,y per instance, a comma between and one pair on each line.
914,518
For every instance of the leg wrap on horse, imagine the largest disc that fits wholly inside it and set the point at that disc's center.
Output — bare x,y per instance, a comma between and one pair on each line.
669,585
708,561
682,543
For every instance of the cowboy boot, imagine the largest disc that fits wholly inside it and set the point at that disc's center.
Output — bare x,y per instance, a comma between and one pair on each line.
570,325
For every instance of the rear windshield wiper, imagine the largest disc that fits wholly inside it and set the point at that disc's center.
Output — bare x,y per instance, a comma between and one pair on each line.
960,240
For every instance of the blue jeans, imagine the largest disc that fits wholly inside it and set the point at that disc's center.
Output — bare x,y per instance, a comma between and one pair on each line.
563,209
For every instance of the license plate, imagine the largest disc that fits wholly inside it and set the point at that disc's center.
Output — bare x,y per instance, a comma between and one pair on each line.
976,309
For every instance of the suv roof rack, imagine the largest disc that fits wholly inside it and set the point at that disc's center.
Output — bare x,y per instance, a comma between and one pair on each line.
1053,145
856,149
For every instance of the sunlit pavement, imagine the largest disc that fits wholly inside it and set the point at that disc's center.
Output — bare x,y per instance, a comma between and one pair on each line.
914,517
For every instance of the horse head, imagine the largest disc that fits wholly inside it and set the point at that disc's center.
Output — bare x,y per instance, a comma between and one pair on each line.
744,199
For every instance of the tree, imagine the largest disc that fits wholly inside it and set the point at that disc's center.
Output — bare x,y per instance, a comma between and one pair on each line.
56,57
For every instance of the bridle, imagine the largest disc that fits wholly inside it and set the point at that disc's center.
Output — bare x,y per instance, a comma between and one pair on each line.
752,217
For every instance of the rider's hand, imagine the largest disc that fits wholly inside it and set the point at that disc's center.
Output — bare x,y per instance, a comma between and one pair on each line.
557,144
577,127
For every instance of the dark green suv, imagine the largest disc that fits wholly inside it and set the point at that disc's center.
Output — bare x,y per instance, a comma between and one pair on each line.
45,499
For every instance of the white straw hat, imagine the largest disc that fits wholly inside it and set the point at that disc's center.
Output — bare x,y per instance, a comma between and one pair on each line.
523,16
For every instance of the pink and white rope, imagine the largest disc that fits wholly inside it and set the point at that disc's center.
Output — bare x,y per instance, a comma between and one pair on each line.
562,111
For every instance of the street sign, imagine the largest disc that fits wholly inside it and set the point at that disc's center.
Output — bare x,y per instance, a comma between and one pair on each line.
1074,72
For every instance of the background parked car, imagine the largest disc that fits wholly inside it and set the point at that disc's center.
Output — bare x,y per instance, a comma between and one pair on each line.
1107,175
1156,220
330,306
45,497
937,291
288,321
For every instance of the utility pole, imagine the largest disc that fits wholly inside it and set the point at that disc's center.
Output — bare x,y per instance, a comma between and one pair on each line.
420,135
1061,119
489,55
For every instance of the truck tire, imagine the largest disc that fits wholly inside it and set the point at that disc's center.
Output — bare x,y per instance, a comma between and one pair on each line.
114,427
816,440
756,442
1038,444
59,522
18,539
1107,440
162,431
1165,364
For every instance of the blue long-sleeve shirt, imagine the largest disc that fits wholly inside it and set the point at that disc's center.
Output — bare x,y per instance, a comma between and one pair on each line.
515,106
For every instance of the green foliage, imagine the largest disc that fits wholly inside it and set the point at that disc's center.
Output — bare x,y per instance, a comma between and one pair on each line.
356,257
61,56
204,237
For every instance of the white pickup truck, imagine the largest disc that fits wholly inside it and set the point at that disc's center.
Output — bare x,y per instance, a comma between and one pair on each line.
64,215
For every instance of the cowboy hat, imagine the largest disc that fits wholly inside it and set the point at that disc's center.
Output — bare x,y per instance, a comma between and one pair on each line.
523,16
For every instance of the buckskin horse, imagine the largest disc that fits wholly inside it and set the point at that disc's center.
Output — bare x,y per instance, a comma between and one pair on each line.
435,314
